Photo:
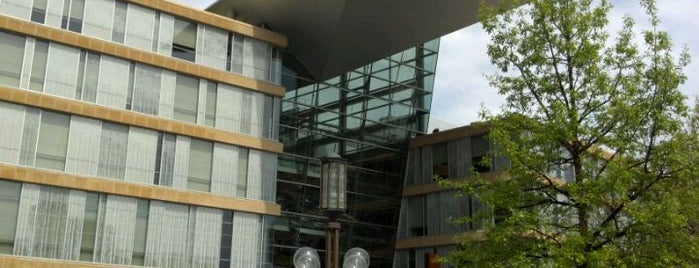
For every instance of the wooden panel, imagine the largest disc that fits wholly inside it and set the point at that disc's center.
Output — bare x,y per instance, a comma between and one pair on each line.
437,240
151,192
448,135
120,51
216,20
433,187
59,104
33,262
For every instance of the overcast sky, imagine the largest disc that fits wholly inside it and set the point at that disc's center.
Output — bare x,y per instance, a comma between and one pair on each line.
461,88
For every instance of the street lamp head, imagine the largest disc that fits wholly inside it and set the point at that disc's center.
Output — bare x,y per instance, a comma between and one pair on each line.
333,184
306,257
356,258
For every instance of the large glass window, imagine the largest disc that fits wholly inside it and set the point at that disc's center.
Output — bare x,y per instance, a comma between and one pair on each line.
200,159
186,98
73,15
184,41
9,205
12,48
53,141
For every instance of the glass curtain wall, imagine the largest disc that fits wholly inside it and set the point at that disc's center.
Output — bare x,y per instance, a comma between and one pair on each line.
366,115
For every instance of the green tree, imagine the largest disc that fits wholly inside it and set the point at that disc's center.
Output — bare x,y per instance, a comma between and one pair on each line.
607,109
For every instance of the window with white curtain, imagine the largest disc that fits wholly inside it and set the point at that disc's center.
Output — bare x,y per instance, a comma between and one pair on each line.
91,77
186,98
50,222
38,71
52,144
12,47
146,89
200,159
87,243
72,19
210,114
119,26
165,160
184,41
139,242
236,53
9,206
113,146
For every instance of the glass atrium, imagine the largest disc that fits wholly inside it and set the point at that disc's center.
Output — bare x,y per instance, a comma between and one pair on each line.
367,116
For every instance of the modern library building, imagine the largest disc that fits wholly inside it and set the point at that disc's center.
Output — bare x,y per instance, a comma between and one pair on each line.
148,133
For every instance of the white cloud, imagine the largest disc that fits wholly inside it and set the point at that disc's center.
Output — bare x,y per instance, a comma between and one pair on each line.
461,88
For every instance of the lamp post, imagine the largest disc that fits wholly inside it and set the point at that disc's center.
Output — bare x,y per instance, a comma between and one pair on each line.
333,192
333,188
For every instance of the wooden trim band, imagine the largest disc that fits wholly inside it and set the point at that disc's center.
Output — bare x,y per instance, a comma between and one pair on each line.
449,135
145,191
120,51
215,20
35,262
438,240
59,104
434,187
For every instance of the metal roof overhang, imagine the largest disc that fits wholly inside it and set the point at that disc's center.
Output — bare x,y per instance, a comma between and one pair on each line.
330,37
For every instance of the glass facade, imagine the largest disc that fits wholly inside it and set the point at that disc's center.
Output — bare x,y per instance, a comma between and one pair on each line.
366,115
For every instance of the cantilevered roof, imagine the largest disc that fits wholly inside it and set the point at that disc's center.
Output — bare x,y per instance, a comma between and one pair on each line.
330,37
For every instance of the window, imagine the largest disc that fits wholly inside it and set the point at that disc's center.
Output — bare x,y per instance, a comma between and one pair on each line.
226,239
268,125
113,145
184,41
242,172
186,98
73,15
479,149
145,89
38,73
53,141
156,32
236,53
87,246
91,76
12,48
9,206
440,166
39,11
416,216
165,160
211,90
200,159
119,26
139,242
